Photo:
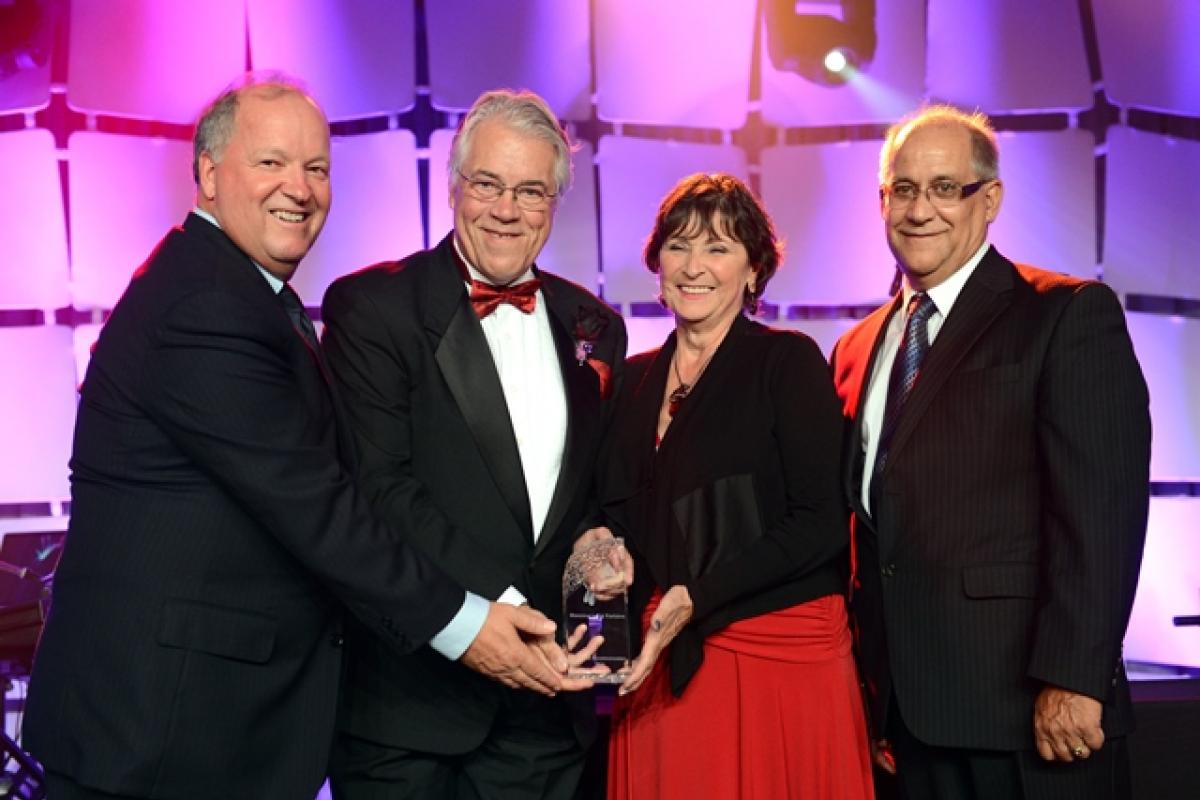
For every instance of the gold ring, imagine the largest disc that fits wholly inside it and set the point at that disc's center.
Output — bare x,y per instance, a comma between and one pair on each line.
1080,751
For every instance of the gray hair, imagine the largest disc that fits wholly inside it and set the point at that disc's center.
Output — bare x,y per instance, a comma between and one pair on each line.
214,129
525,112
985,152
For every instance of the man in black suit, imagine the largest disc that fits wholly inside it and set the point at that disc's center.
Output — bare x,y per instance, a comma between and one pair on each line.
194,646
478,385
998,467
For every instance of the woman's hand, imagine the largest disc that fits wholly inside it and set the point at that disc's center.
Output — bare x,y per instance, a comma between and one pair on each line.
611,578
673,612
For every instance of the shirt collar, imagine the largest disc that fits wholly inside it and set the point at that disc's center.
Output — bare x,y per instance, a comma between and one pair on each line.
946,293
275,284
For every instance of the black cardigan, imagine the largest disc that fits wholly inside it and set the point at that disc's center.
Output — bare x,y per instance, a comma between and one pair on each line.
742,502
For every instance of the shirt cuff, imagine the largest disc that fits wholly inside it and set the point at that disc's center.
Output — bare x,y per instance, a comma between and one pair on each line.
454,639
512,597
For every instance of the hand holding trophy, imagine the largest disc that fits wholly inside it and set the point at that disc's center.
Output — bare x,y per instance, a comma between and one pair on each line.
596,608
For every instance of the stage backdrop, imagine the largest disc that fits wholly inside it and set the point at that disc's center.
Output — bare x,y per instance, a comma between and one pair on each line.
1097,101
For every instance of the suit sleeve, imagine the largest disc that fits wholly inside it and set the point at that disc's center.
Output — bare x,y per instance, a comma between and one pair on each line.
1094,442
376,385
220,383
813,530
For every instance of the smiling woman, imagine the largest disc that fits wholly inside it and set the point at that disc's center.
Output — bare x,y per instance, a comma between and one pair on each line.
721,473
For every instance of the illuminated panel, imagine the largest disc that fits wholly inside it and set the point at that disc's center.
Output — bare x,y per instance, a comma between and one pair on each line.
33,234
673,63
1149,53
1048,214
376,211
37,413
355,58
126,192
972,60
571,249
635,174
83,340
1169,350
1169,586
153,60
540,45
1152,208
891,85
647,333
825,332
825,203
25,90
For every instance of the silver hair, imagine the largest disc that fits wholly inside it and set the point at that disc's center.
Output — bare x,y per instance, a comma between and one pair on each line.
525,112
214,129
985,152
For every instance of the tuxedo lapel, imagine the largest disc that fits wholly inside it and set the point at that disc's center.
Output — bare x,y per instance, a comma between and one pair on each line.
984,296
462,355
581,387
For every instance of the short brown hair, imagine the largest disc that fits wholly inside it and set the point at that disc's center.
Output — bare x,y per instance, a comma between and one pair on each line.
703,198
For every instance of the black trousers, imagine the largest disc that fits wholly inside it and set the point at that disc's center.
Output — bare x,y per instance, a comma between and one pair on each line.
926,772
527,755
60,787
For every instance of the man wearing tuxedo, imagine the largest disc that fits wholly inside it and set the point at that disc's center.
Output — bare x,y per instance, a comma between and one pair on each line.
479,386
194,647
998,468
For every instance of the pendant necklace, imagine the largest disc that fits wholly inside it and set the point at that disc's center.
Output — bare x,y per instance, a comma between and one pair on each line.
684,389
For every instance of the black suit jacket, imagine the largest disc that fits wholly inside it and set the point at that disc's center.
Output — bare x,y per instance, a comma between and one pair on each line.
193,648
1005,548
742,502
438,457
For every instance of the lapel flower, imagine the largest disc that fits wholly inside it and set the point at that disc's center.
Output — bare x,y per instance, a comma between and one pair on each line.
590,324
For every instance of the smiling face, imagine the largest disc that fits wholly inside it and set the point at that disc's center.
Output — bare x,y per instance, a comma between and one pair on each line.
269,190
498,237
703,275
931,243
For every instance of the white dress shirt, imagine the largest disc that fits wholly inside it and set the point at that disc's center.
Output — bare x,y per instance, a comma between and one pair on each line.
526,359
943,296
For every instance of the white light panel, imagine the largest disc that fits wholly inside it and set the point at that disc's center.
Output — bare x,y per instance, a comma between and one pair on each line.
33,233
1168,349
37,413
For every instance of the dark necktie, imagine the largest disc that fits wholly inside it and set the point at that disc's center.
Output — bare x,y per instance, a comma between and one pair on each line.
914,344
300,320
486,298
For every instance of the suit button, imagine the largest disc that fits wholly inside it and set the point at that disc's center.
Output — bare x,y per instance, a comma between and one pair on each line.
888,570
337,640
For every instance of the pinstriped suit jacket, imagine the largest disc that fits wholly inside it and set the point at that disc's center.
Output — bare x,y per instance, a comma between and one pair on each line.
1004,553
193,650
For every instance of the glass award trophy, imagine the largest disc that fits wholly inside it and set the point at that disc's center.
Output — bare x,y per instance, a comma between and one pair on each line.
594,596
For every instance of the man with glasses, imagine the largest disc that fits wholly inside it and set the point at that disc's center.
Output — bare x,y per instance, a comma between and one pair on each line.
998,467
479,386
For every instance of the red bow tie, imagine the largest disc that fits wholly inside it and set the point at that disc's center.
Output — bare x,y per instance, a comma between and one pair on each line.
485,298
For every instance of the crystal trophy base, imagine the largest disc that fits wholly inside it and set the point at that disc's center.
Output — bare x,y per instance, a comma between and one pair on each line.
589,572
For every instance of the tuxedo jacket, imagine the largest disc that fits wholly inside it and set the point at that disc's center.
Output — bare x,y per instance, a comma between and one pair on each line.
742,500
1004,552
193,647
438,457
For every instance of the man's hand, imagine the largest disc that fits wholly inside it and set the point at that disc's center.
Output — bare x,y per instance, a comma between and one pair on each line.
516,647
612,579
1066,725
672,614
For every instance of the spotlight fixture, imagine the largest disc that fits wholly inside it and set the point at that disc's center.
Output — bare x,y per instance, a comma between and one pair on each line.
26,34
829,47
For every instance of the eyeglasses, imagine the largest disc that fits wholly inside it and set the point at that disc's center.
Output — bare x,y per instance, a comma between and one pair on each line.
529,196
940,193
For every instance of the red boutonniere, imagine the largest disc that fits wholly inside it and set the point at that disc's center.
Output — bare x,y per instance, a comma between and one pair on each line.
590,324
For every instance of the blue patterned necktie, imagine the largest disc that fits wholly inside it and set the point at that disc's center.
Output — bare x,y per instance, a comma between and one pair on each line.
914,344
300,319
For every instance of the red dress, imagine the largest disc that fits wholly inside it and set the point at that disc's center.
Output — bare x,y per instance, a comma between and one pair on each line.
774,712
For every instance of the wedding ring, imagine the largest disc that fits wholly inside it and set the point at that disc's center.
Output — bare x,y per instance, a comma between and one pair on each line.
1080,751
